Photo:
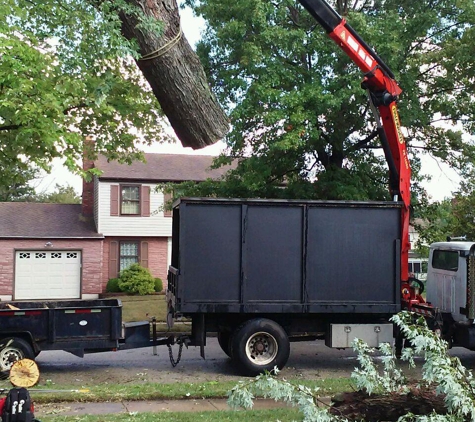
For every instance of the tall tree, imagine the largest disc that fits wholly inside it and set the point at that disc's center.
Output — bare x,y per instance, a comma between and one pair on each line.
299,116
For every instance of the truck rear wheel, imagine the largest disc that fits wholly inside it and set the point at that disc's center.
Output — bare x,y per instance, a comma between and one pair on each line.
259,345
13,349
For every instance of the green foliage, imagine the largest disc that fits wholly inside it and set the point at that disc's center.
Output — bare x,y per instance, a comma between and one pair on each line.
434,222
136,279
61,195
66,72
158,284
14,183
300,121
113,286
451,379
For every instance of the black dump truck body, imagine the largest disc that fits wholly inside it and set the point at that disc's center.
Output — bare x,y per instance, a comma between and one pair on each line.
303,264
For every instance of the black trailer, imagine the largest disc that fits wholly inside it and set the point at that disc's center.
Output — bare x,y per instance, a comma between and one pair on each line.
262,273
76,326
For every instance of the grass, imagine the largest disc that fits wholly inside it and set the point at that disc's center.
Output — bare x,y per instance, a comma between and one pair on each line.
144,308
141,308
176,391
215,416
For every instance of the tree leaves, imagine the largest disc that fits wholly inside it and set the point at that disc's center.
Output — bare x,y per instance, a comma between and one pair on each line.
296,105
65,72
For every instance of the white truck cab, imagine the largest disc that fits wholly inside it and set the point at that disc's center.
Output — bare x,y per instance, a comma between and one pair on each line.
450,287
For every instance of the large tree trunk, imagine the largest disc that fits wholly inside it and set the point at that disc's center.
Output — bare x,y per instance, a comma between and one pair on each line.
176,76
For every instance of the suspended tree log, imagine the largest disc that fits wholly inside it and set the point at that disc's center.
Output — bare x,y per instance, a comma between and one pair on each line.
176,76
359,405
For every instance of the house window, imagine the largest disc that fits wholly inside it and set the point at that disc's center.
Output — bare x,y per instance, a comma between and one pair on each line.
129,254
415,267
130,200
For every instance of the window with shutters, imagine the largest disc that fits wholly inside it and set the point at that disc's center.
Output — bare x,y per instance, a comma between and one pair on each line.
128,254
130,200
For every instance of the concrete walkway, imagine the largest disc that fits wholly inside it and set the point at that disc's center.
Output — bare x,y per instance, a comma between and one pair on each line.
192,405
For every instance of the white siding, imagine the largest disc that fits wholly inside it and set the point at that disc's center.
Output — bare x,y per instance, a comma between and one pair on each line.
155,225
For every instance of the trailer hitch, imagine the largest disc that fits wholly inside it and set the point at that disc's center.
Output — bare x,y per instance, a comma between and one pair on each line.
181,341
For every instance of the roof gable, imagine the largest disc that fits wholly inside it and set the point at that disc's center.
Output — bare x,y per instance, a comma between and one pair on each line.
163,168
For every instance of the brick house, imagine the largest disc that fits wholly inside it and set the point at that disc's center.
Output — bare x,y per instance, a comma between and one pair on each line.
60,251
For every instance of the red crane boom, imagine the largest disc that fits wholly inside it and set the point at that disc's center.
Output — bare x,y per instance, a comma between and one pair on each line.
383,91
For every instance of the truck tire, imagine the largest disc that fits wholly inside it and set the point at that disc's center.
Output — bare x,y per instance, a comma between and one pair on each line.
259,345
13,349
224,339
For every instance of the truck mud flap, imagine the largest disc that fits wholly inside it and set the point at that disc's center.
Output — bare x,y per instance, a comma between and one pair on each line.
198,333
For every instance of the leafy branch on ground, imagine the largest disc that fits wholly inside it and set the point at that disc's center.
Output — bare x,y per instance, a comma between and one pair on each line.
444,378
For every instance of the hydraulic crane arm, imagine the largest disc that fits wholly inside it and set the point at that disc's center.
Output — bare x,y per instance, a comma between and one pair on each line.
383,92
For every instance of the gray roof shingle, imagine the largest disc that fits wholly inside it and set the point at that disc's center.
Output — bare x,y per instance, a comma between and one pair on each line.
37,220
162,168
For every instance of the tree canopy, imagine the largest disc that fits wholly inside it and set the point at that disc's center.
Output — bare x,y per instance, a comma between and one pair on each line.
66,72
301,122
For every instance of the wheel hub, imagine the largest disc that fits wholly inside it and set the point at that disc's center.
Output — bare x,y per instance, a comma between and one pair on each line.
261,348
9,356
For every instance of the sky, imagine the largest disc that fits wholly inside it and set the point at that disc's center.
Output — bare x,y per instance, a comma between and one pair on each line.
443,182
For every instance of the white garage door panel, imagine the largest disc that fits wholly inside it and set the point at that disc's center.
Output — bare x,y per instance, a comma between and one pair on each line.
47,275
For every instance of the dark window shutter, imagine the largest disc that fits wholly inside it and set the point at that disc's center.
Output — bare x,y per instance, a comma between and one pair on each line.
114,199
144,254
166,198
145,199
113,259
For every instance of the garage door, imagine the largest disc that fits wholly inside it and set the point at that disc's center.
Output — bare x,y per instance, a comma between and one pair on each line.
47,275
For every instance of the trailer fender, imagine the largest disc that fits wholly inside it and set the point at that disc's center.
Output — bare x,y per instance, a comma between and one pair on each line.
13,349
259,345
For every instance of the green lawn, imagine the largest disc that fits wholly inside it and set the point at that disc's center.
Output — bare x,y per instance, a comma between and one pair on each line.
175,391
216,416
149,391
142,308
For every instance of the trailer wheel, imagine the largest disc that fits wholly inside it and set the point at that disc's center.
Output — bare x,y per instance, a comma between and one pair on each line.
12,350
224,339
259,345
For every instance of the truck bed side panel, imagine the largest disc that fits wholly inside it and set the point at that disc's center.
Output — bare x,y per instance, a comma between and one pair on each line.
280,256
273,246
352,254
211,253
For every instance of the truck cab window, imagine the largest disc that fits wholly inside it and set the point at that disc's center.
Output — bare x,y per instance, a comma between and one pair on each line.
445,260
